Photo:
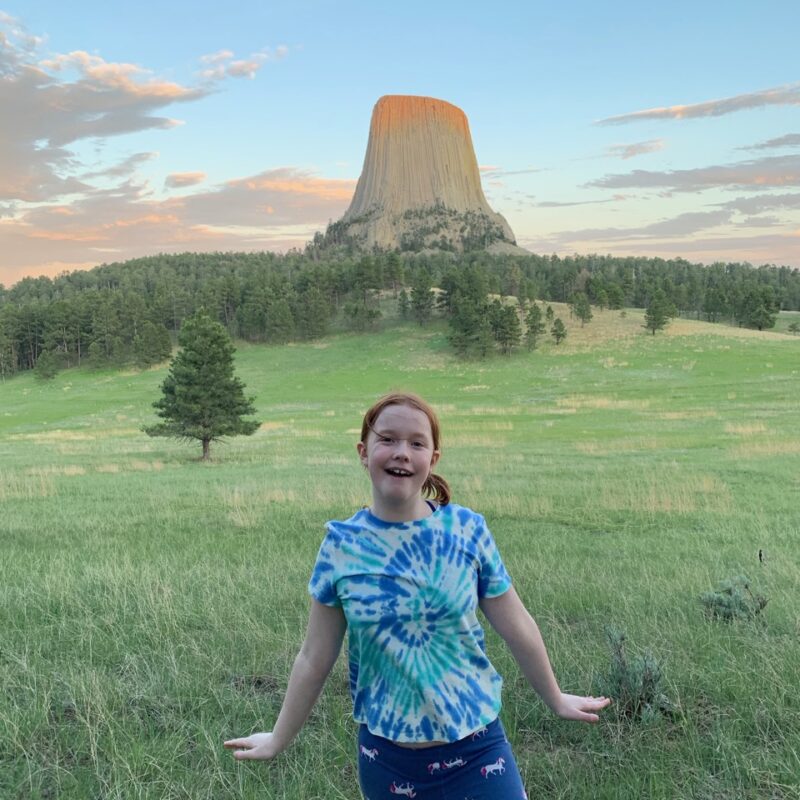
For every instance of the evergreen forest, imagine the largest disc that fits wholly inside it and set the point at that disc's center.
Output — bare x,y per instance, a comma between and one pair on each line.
130,312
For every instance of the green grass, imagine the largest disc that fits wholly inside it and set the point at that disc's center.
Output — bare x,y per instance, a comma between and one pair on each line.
151,605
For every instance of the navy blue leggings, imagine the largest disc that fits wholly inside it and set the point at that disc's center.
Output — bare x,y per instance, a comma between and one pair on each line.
479,767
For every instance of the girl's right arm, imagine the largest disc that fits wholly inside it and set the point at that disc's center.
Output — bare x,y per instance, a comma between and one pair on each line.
324,636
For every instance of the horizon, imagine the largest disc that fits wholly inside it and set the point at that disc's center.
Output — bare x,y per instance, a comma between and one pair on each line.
594,133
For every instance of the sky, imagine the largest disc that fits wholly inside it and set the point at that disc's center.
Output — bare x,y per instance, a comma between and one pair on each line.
628,128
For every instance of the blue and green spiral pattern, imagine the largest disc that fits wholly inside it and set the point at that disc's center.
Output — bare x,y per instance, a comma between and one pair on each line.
410,591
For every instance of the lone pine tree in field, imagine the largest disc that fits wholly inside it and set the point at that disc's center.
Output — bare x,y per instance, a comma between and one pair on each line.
202,398
658,312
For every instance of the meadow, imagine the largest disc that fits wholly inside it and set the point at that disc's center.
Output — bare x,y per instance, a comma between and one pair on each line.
152,605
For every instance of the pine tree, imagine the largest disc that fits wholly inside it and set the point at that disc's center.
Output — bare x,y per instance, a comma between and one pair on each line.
504,322
202,398
535,325
46,366
422,297
581,307
558,331
153,345
658,312
403,305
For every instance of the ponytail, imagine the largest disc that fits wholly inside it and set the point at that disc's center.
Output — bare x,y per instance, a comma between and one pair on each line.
437,488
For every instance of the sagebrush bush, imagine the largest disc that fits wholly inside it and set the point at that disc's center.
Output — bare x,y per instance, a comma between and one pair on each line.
732,600
634,684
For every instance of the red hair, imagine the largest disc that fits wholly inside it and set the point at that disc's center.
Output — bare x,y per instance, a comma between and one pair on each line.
435,486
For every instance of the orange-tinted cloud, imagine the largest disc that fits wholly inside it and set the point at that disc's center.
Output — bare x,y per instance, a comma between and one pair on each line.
277,209
788,95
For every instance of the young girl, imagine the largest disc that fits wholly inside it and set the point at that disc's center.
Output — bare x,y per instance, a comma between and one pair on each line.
405,577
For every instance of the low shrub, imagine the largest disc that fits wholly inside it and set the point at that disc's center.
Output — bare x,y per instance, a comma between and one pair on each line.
732,600
635,684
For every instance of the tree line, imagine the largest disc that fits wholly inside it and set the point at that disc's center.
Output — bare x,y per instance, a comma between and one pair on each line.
131,312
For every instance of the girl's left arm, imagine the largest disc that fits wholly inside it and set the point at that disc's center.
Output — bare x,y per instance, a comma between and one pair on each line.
509,617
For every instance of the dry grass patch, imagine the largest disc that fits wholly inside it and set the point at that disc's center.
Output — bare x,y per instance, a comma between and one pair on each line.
588,401
272,426
745,429
109,468
54,469
53,436
776,447
670,493
611,363
700,413
37,483
693,327
145,466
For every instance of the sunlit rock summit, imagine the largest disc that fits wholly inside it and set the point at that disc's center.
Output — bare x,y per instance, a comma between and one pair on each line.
420,188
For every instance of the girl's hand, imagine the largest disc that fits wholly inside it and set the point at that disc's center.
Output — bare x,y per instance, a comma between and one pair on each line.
570,706
259,747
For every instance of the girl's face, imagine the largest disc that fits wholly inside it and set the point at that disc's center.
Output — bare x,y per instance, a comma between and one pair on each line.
399,456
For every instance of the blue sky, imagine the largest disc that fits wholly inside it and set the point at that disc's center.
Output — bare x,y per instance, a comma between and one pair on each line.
624,128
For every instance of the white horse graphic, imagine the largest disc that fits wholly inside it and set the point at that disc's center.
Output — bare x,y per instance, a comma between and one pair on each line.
370,754
491,769
406,789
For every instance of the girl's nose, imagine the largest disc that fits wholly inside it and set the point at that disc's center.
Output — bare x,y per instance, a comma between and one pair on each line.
401,449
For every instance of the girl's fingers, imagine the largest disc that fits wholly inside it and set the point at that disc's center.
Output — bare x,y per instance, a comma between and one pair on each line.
237,743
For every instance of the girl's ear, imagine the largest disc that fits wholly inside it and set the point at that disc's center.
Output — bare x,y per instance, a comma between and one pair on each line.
361,448
435,458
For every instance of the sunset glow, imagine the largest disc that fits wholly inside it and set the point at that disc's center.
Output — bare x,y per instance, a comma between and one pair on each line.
248,131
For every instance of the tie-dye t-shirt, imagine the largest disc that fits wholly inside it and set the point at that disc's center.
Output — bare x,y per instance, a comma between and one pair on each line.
409,591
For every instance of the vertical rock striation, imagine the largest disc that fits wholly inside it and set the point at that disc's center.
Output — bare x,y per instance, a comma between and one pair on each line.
420,188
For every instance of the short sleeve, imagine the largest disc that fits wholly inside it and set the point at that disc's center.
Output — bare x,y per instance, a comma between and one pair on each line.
322,586
493,579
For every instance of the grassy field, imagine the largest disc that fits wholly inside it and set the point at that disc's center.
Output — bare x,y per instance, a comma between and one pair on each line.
151,605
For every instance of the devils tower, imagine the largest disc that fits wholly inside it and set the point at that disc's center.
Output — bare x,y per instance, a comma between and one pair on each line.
420,188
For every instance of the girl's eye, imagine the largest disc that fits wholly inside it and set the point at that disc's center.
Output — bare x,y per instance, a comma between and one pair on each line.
418,444
385,439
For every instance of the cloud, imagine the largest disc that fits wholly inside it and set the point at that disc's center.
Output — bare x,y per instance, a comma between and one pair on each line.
50,104
275,209
625,151
224,64
123,169
682,225
179,180
556,204
778,96
789,140
764,202
761,173
499,172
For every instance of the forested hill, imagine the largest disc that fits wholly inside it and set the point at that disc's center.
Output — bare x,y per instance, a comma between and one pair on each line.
130,312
